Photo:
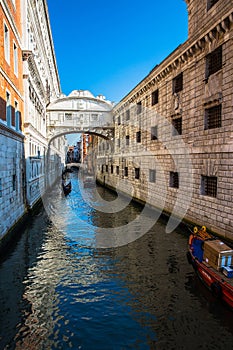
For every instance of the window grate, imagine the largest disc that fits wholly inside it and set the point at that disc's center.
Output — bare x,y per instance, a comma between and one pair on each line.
177,126
209,186
213,117
155,97
177,83
214,61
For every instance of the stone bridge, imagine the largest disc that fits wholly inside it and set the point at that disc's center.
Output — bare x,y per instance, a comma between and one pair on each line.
80,112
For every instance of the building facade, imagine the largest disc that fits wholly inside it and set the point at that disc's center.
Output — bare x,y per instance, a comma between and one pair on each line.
173,145
41,86
12,170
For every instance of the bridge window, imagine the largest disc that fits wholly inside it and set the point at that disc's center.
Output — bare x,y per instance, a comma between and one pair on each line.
68,116
94,117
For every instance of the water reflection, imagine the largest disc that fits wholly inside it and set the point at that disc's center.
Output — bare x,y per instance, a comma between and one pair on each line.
58,291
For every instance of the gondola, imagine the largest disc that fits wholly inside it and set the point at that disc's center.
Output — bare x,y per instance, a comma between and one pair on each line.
66,188
212,260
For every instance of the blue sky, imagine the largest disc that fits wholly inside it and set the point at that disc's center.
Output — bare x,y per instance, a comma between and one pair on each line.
108,47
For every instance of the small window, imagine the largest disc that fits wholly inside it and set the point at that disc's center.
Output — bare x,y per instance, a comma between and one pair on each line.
211,3
119,120
174,179
177,126
7,43
214,62
139,107
177,83
14,182
111,169
15,50
137,173
209,186
126,171
154,133
155,97
102,169
127,117
117,169
138,136
106,168
8,109
213,117
152,175
127,140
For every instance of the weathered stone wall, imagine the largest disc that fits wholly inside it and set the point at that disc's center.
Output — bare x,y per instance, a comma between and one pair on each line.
201,152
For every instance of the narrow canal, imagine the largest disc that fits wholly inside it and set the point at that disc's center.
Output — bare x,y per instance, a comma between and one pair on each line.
59,290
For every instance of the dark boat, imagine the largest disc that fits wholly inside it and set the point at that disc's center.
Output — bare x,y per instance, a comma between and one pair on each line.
66,187
212,260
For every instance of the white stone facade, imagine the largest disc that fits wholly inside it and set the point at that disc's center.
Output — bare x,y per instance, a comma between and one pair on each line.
173,143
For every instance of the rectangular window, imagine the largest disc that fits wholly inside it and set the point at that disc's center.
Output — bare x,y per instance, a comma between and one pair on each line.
111,169
177,126
117,169
154,133
119,120
8,109
155,97
118,142
137,173
15,49
127,140
209,186
152,175
211,3
214,61
213,117
177,83
17,117
106,168
126,171
14,182
7,43
127,117
174,179
138,136
102,169
139,107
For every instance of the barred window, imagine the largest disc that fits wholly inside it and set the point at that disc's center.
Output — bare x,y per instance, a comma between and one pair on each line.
127,140
102,168
211,3
119,120
111,169
177,126
127,116
174,179
154,133
177,83
155,97
152,175
137,173
117,170
138,136
126,171
209,186
213,117
139,107
214,61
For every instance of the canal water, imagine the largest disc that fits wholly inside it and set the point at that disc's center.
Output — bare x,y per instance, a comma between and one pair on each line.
61,290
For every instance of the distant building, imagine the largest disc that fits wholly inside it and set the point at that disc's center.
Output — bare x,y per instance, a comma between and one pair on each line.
173,131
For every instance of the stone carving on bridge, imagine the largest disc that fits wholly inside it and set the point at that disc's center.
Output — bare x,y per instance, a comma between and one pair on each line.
80,112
